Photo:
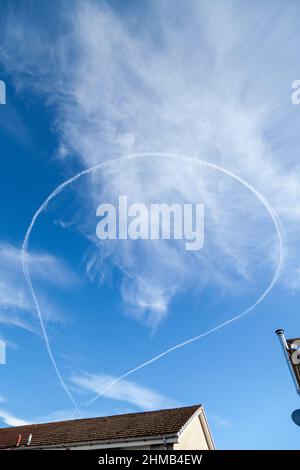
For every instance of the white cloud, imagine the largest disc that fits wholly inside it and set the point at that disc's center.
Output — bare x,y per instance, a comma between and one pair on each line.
125,391
43,266
16,305
11,420
196,79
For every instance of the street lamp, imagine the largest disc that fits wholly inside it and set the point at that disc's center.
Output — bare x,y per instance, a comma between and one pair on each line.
291,350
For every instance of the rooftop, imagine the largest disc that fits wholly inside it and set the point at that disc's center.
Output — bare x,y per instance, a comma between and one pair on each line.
107,428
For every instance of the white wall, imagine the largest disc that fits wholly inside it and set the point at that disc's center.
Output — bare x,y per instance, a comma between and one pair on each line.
193,437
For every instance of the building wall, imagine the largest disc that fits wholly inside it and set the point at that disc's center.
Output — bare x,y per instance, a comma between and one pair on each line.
193,437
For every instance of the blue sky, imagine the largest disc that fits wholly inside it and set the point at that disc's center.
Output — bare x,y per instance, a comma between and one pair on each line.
93,81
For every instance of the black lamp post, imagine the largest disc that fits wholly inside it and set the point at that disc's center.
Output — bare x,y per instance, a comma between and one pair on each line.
291,350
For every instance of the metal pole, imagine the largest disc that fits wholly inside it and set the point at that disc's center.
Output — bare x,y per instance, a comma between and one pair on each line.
285,348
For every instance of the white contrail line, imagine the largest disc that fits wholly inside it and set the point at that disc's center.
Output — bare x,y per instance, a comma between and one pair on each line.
193,339
119,161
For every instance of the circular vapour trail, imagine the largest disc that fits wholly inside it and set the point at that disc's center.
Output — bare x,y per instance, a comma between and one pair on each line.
119,161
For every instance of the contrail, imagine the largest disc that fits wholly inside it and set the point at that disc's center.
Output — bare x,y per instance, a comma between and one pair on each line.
119,161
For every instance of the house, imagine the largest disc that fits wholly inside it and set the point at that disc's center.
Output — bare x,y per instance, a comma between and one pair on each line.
182,428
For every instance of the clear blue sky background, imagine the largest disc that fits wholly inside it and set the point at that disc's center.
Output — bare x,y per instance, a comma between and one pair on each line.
86,83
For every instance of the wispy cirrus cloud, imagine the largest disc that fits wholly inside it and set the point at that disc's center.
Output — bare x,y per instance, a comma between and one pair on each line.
11,420
43,266
125,391
16,305
181,82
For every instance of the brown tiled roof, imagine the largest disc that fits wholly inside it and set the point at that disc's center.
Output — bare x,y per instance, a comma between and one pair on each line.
117,427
